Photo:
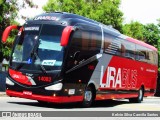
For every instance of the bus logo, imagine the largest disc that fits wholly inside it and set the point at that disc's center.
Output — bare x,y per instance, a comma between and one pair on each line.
118,78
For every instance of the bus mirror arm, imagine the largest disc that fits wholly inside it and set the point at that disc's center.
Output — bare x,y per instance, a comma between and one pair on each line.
66,34
7,32
76,56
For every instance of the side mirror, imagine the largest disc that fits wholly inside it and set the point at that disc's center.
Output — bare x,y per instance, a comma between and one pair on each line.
65,35
7,32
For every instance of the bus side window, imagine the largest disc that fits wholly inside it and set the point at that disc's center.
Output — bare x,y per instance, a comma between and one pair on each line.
74,48
91,44
85,40
129,50
143,54
118,44
107,43
155,58
152,57
95,42
123,50
112,45
140,56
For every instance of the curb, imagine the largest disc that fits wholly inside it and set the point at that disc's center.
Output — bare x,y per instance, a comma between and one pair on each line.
3,94
153,97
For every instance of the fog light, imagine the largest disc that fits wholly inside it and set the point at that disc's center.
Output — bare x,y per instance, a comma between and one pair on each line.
56,87
9,82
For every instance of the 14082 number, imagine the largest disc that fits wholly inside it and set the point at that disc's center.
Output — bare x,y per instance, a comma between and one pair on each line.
45,78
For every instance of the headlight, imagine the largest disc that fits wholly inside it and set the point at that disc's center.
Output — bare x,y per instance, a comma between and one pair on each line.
9,82
56,87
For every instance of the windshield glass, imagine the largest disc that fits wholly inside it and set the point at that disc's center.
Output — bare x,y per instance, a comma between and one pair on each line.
38,45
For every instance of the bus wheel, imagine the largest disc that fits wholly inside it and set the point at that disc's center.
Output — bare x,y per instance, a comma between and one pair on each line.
138,99
42,102
88,97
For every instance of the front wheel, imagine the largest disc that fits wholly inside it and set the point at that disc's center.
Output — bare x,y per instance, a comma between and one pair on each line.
138,99
42,102
88,97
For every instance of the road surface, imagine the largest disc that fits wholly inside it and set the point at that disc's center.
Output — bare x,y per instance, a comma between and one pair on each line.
20,104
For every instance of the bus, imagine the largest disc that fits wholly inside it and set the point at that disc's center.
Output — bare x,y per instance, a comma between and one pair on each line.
60,57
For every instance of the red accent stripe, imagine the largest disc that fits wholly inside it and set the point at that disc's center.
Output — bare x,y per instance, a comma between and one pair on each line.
7,32
65,35
54,99
148,94
115,96
19,77
141,43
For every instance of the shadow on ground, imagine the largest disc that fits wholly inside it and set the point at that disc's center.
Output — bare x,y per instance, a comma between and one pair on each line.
97,104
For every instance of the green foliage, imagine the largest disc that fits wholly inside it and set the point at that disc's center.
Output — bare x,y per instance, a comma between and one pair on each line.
152,37
148,33
151,34
8,12
134,29
106,11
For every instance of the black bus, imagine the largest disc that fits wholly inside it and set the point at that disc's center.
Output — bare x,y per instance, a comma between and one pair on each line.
61,57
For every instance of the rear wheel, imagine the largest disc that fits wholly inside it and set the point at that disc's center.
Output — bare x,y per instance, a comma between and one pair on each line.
88,97
42,102
138,99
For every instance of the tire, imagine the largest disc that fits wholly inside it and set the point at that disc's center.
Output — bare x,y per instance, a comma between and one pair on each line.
138,99
42,102
88,97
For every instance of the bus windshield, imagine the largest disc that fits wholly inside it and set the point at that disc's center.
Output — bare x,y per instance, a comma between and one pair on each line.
38,46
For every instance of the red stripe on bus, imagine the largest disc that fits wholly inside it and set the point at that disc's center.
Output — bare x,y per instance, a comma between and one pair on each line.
54,99
141,43
115,96
19,77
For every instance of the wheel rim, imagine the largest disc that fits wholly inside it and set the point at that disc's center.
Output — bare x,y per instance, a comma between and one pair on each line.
140,94
88,96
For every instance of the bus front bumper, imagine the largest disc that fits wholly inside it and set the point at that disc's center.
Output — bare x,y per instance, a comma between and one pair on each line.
54,99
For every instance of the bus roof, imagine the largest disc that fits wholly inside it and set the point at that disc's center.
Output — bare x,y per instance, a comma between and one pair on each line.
65,17
140,43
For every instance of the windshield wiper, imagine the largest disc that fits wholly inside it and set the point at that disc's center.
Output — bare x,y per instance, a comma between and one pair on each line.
42,67
34,53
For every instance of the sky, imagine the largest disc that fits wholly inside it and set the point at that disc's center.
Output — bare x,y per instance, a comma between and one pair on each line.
143,11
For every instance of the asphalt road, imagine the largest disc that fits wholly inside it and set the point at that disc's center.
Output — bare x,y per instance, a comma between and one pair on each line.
20,104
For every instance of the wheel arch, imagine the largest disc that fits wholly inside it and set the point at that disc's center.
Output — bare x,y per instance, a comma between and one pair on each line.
93,87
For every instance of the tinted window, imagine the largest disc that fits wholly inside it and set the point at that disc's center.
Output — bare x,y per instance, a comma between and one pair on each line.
129,49
112,45
83,45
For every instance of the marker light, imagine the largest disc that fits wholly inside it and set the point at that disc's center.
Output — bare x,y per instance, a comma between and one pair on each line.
56,87
9,82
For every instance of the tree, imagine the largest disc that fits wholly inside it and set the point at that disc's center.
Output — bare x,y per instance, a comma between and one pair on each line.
151,34
148,33
152,37
104,11
135,30
8,12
